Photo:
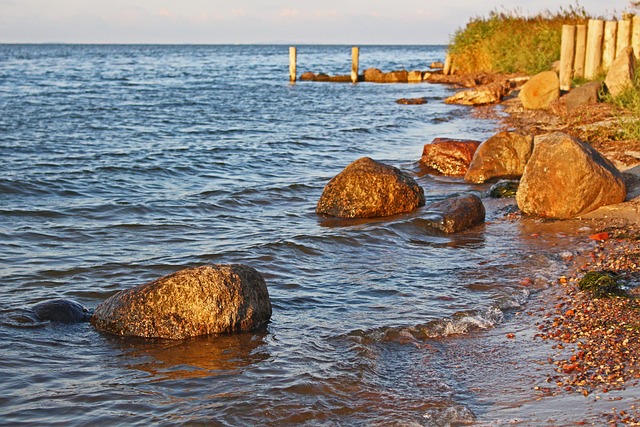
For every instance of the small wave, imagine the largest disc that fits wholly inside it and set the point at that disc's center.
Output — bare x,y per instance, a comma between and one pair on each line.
460,323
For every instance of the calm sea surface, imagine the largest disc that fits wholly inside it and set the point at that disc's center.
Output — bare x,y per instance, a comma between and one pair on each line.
120,164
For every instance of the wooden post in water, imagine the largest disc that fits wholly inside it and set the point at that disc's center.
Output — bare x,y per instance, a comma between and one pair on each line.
635,36
355,63
609,44
567,52
292,64
581,49
623,39
593,55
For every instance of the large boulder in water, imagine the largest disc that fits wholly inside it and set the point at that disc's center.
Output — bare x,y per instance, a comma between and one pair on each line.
449,156
195,301
504,155
61,311
566,178
540,91
456,213
367,188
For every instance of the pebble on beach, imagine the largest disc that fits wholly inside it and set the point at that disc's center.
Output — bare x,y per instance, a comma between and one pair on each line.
602,335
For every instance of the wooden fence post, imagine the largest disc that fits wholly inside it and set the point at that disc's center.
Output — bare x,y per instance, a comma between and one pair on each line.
567,53
593,55
635,35
609,44
355,59
581,48
292,64
446,70
624,36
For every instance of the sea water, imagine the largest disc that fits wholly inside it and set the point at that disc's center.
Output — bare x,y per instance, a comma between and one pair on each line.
121,164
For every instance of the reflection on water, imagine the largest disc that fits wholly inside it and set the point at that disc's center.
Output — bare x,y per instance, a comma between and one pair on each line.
197,357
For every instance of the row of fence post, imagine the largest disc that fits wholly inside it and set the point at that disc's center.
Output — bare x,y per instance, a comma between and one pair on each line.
355,63
588,50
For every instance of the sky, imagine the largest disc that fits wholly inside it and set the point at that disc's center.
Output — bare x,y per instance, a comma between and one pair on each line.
259,21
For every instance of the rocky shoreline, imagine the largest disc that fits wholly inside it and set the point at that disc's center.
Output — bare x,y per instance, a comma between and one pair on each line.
592,344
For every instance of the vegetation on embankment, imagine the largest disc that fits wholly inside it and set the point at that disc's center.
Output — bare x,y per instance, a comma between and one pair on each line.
508,42
629,101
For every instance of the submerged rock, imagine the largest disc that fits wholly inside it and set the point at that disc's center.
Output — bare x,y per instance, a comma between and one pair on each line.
367,189
204,300
456,213
449,156
566,178
411,101
61,311
504,155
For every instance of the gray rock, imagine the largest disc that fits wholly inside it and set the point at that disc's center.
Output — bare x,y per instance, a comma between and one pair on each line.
455,213
583,95
61,311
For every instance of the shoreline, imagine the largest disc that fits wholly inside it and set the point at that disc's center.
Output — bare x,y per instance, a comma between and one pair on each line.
577,356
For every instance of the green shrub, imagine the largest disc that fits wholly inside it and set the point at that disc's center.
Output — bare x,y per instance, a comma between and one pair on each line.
508,42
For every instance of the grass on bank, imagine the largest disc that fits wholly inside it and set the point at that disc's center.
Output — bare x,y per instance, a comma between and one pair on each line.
628,100
509,42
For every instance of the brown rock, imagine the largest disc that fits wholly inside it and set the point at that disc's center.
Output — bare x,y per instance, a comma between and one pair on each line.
540,91
414,77
367,188
399,76
487,94
449,156
583,95
622,72
340,79
308,76
411,101
195,301
566,178
504,155
456,213
373,75
436,64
